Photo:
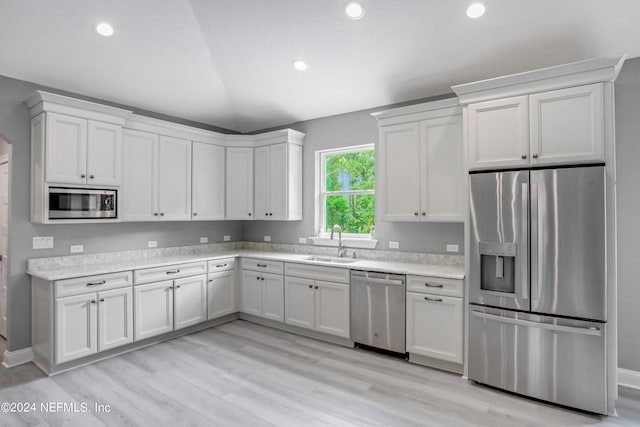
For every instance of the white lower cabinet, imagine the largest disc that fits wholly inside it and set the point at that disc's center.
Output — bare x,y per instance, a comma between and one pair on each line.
316,304
262,293
189,301
434,326
89,323
221,294
153,309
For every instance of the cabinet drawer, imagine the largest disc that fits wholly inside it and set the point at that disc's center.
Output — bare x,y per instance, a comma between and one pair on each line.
221,264
100,282
169,272
266,266
317,272
435,285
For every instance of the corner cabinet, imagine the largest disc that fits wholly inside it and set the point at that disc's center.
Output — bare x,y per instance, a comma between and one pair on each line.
239,183
421,163
207,182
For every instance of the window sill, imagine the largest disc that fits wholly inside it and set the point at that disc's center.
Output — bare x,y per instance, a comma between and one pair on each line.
349,242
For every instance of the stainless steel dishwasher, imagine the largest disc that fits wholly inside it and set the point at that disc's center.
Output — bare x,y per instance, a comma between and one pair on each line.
378,310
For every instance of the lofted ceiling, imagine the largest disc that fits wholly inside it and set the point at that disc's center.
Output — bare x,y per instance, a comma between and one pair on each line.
228,62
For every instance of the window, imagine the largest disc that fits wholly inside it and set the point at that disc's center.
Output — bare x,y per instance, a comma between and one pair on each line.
346,190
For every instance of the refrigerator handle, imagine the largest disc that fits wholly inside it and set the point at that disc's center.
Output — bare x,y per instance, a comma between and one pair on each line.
524,256
534,242
589,330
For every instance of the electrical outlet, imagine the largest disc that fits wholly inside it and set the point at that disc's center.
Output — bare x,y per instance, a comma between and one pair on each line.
152,244
76,249
227,238
43,242
452,248
302,240
267,238
394,245
204,240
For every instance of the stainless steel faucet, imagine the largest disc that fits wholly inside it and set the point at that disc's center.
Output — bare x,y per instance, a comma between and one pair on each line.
340,247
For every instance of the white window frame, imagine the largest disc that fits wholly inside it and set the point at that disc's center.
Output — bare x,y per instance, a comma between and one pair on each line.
320,214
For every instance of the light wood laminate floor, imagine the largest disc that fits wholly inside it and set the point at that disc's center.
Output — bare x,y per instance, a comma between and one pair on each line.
249,375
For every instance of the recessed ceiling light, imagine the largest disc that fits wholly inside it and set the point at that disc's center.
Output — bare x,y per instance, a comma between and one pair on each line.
354,10
299,65
104,29
475,10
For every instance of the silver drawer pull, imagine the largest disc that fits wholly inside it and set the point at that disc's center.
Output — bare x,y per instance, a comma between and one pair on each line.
173,272
96,283
221,265
262,265
429,285
433,299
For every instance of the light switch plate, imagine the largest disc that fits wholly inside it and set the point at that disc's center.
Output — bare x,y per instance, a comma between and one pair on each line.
43,242
152,244
76,249
204,240
302,240
267,238
452,248
394,245
227,238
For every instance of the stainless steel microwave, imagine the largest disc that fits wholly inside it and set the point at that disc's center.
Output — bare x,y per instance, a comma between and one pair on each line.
82,203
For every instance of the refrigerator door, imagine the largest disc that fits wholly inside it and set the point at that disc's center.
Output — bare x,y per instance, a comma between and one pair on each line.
568,276
499,259
549,358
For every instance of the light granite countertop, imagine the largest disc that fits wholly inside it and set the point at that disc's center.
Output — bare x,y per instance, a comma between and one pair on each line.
59,272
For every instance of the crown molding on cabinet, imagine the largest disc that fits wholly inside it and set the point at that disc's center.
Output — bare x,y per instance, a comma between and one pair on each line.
412,113
41,101
176,130
545,79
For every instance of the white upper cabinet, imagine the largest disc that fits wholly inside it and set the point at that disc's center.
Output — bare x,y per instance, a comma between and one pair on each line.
567,125
139,196
239,183
104,153
207,182
174,179
559,115
498,133
278,182
420,158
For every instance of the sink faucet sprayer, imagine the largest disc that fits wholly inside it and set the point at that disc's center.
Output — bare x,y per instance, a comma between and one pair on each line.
340,247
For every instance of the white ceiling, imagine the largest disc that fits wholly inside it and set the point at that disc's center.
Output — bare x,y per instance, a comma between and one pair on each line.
228,62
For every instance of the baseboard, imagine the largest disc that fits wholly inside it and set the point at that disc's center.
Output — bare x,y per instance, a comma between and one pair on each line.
18,357
628,378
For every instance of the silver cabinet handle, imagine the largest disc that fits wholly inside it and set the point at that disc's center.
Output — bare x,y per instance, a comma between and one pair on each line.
258,278
173,272
220,265
161,213
155,214
83,175
262,278
92,301
91,176
535,155
416,213
262,265
170,288
96,283
590,330
101,299
249,213
429,285
310,286
316,287
178,286
433,299
195,214
524,157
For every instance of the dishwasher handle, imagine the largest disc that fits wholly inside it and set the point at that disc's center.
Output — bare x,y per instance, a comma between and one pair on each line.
380,281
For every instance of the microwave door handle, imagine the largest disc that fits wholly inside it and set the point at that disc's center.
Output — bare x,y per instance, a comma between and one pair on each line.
524,255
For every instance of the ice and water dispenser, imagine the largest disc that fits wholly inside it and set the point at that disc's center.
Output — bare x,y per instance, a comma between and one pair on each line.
497,266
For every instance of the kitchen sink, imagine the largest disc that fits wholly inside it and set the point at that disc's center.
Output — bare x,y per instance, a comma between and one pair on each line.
334,260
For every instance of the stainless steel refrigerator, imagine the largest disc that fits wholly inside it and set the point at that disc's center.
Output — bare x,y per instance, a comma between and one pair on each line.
537,313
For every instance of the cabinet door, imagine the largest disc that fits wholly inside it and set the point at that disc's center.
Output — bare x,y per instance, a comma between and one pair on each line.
262,185
221,294
251,293
76,327
66,149
278,173
434,326
332,308
174,179
153,311
567,125
190,301
104,155
442,171
139,192
398,152
299,305
115,318
273,296
239,183
207,184
498,133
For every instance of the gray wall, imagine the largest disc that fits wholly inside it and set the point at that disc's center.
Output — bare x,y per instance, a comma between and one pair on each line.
628,182
349,129
14,128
